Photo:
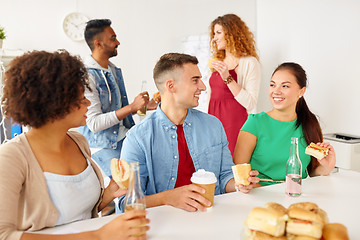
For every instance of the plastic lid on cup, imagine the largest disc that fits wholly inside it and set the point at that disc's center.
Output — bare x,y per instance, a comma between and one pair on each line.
203,177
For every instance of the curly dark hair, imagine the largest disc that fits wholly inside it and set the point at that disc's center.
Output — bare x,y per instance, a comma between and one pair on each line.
239,39
40,87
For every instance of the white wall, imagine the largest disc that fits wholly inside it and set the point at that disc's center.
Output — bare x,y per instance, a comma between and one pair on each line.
146,29
323,36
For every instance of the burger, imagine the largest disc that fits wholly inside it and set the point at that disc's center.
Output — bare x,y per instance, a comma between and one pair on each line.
265,220
120,172
156,97
316,151
304,222
241,174
309,206
256,235
276,206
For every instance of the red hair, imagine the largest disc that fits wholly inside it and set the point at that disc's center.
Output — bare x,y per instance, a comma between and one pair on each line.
239,39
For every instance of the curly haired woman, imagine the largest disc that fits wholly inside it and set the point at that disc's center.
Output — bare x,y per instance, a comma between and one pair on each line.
47,177
235,81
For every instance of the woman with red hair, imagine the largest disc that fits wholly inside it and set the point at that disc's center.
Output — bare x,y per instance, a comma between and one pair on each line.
235,80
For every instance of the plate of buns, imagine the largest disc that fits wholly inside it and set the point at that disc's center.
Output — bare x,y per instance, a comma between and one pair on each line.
300,221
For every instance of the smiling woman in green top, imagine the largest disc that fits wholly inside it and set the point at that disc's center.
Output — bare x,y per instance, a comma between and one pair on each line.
264,140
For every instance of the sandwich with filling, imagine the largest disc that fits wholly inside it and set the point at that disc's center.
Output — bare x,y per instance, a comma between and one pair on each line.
316,151
304,222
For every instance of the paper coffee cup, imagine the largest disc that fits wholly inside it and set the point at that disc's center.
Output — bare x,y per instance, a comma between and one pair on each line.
206,180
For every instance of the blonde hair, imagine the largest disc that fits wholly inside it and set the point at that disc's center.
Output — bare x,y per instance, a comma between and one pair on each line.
239,39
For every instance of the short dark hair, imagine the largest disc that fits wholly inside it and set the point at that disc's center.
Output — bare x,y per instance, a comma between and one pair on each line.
40,87
170,61
93,28
166,65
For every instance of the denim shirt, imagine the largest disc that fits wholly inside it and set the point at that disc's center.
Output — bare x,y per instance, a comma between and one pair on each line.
108,138
153,143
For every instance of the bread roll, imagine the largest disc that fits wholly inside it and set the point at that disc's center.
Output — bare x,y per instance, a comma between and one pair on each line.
276,206
316,151
157,97
304,222
335,231
266,220
242,173
256,235
300,237
120,172
323,215
310,206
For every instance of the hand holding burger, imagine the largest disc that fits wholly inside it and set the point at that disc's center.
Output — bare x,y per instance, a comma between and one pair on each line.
241,173
325,155
316,151
245,179
120,172
154,102
157,97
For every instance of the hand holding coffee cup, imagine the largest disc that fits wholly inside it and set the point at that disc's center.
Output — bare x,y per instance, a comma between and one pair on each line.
206,180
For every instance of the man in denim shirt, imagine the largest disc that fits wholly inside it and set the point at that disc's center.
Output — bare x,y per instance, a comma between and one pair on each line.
110,114
176,140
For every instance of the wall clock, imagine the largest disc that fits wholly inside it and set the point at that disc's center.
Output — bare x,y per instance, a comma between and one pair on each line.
74,25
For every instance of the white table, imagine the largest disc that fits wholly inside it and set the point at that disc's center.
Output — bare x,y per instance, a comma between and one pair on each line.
338,194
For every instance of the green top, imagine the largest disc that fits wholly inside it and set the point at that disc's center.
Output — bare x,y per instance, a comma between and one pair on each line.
273,146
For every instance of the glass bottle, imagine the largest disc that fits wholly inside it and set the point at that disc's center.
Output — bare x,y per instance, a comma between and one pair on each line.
294,170
142,111
134,198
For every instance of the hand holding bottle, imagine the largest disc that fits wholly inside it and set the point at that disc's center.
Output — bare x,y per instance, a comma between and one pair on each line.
142,110
140,102
127,225
135,199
